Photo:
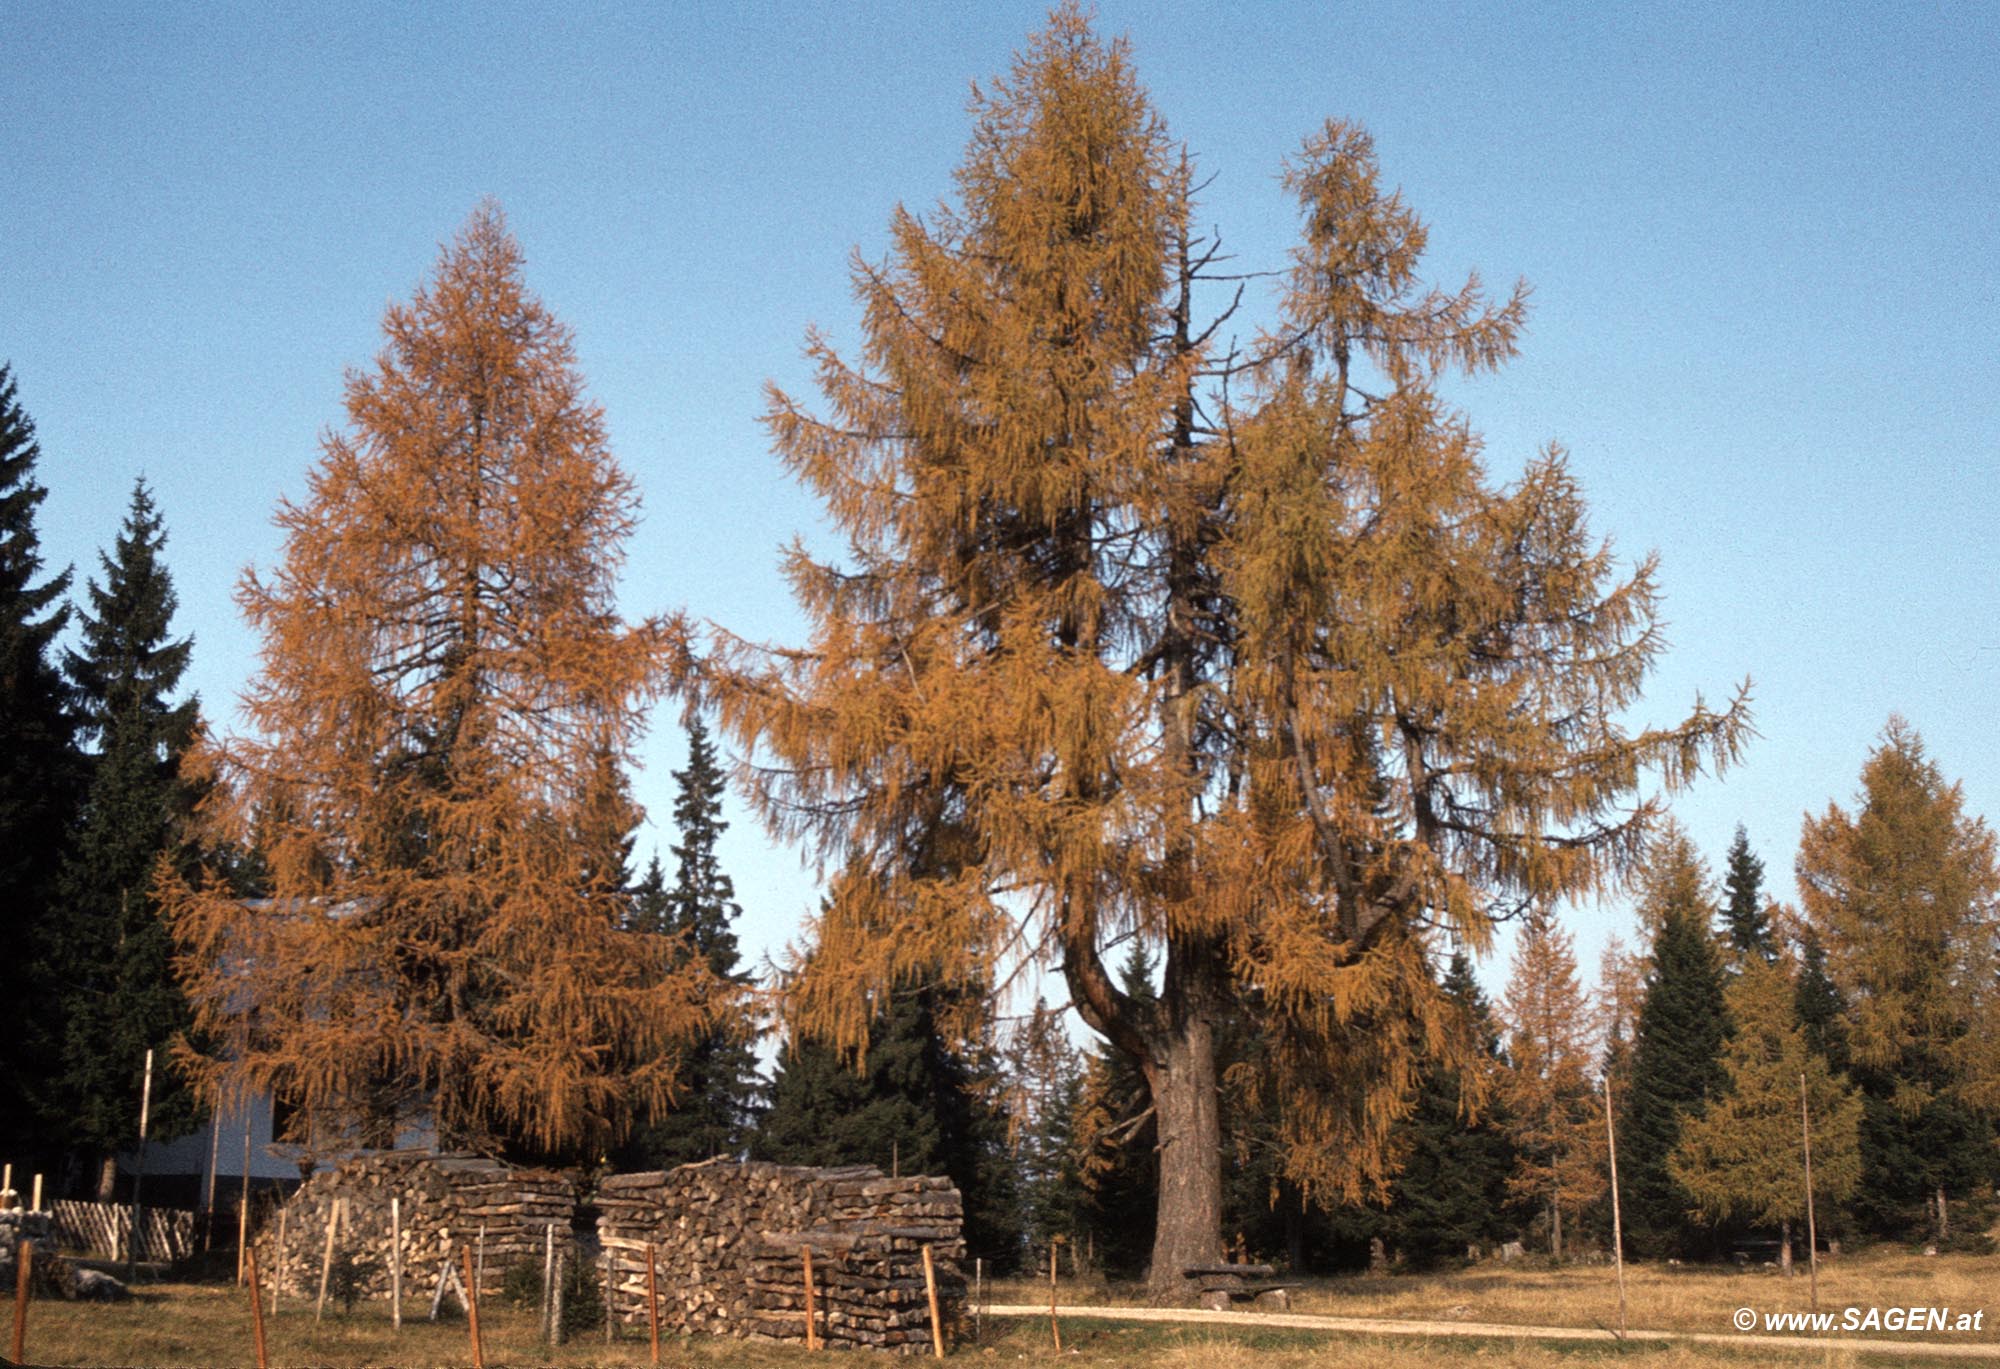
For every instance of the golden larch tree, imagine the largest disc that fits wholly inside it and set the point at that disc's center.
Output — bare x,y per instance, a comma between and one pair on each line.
445,700
1904,892
1242,655
1553,1114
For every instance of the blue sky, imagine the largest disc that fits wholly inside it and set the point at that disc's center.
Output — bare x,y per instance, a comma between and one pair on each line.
1763,242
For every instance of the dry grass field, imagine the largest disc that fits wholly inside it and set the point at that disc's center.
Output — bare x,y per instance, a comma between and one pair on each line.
210,1326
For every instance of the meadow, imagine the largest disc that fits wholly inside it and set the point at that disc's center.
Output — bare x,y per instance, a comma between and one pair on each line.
210,1325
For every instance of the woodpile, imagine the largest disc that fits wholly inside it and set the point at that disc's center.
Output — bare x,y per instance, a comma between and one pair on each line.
446,1201
729,1242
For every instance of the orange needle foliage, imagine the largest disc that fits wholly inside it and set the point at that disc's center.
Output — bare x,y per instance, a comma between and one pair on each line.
445,697
1270,675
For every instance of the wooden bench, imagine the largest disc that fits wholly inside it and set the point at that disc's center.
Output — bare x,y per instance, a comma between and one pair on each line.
1219,1285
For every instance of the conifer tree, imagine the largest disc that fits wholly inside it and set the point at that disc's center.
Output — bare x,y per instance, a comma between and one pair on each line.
1677,1058
1550,1109
1822,1013
1744,919
1118,1138
1902,892
1451,1191
445,699
650,907
716,1098
1621,992
1249,658
917,1101
40,777
1046,1094
1744,1158
120,998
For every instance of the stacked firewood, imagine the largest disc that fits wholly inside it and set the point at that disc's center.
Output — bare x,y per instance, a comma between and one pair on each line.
449,1203
729,1243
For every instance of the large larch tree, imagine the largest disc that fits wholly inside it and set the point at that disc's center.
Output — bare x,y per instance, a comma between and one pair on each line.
1242,653
446,694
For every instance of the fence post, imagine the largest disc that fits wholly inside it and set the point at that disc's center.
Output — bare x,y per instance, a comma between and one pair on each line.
395,1262
256,1307
24,1259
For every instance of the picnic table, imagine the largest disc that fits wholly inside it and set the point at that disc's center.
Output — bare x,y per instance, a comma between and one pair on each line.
1219,1285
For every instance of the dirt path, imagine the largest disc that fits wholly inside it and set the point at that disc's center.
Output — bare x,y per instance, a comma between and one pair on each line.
1382,1326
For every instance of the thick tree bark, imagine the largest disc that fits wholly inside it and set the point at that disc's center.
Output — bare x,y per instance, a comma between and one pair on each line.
1785,1247
1188,1115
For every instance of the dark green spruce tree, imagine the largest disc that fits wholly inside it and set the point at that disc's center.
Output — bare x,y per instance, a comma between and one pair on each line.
916,1104
113,950
40,787
1452,1191
1122,1172
1677,1059
719,1088
1744,920
1817,998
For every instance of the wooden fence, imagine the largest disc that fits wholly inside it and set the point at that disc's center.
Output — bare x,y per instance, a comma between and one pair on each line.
106,1229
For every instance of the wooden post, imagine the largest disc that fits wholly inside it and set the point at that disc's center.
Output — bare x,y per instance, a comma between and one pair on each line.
1812,1228
610,1288
395,1262
6,1186
548,1282
256,1309
806,1257
139,1174
278,1283
214,1158
979,1301
930,1291
24,1260
1055,1328
326,1260
556,1301
243,1201
480,1272
1617,1219
472,1313
653,1299
37,1206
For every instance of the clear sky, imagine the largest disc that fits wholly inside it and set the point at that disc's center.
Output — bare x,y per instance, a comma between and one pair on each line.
1763,242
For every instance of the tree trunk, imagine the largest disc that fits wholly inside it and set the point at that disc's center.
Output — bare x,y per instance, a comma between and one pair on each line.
1188,1115
107,1178
1556,1229
1785,1247
1943,1218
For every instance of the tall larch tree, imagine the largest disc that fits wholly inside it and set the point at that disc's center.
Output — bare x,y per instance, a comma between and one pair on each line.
1243,654
40,777
1902,892
1551,1109
119,995
446,693
1677,1057
1745,920
716,1100
1743,1160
